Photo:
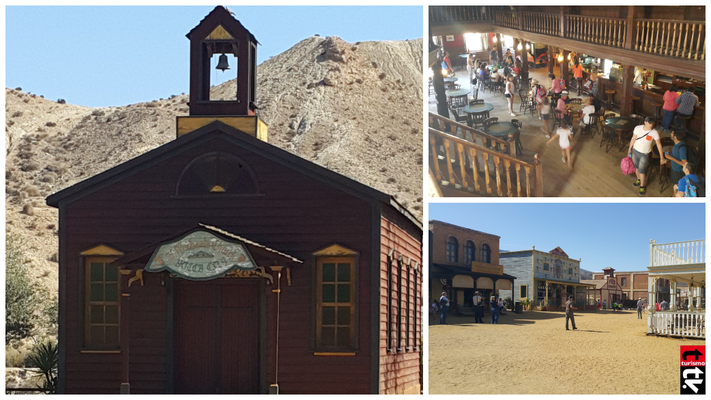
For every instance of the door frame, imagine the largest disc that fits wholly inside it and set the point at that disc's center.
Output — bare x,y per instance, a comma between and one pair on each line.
262,338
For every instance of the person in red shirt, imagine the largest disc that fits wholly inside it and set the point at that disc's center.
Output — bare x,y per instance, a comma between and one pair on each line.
561,110
578,74
670,106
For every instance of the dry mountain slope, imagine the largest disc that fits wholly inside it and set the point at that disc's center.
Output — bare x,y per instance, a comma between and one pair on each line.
353,108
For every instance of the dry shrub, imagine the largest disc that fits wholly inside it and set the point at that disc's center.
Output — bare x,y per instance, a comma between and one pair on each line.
51,124
14,358
28,209
31,190
48,177
26,100
32,226
10,122
29,166
17,114
97,113
51,226
52,258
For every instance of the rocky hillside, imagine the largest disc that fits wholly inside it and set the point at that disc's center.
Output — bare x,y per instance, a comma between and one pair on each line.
353,108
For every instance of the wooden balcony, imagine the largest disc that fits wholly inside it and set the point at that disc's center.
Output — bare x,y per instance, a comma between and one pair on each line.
674,46
679,253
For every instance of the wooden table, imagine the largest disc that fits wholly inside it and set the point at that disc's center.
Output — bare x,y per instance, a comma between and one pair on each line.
501,129
477,108
456,92
621,124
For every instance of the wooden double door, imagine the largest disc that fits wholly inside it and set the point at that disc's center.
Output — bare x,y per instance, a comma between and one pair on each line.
217,343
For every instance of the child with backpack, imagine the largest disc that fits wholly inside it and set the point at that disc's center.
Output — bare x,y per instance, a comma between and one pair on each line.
690,185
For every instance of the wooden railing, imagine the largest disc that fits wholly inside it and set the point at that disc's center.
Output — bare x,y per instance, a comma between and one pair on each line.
458,13
506,18
684,39
674,38
483,161
679,253
546,24
677,323
605,31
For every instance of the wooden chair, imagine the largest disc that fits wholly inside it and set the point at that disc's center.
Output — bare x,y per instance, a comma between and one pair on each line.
458,101
523,95
457,114
576,101
638,117
608,138
610,115
558,118
593,124
476,120
517,135
489,121
476,101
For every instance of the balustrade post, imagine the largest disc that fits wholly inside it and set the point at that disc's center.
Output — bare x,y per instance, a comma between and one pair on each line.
630,36
551,59
561,31
498,49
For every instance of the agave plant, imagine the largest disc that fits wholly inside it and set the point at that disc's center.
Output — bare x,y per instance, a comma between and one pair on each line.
44,357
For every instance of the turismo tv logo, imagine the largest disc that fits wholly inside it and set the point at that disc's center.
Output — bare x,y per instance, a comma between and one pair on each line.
693,369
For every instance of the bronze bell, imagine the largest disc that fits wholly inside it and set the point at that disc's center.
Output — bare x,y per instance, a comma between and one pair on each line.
222,64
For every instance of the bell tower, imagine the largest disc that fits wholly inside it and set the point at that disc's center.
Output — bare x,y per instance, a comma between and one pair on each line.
218,38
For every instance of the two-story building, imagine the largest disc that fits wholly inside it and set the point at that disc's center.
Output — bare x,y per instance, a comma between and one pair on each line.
463,261
546,279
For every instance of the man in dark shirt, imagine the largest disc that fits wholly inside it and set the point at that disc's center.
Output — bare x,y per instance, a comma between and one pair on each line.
569,313
640,307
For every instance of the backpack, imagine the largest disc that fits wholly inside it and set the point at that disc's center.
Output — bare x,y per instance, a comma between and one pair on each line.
627,166
442,302
474,81
692,155
691,190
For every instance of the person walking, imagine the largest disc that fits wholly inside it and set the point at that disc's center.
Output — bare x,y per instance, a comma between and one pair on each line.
433,311
604,305
444,308
470,66
578,74
546,114
564,133
678,156
478,308
502,308
640,307
494,310
643,137
569,313
687,100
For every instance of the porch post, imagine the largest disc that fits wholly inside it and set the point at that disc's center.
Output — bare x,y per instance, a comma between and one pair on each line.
672,295
524,61
652,285
630,34
698,297
125,387
551,59
499,46
627,81
564,67
545,301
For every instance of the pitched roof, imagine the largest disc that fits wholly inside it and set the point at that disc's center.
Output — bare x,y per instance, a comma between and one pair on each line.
217,15
220,130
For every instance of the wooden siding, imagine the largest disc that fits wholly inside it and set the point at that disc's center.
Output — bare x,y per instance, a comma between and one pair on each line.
295,214
400,369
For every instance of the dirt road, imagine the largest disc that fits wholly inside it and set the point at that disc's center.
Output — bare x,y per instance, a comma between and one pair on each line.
532,353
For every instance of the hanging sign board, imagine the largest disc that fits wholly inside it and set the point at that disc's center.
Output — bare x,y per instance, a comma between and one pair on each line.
201,255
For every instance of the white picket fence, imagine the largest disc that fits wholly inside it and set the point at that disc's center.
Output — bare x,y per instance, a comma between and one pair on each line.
677,323
680,253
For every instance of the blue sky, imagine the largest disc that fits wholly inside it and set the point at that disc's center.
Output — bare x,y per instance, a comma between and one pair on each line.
603,235
112,56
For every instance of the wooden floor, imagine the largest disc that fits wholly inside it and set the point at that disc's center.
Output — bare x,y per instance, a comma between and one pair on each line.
595,173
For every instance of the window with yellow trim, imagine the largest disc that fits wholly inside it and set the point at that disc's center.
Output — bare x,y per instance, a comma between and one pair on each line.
335,303
101,301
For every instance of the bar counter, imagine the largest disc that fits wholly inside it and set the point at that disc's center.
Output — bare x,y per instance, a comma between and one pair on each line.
647,99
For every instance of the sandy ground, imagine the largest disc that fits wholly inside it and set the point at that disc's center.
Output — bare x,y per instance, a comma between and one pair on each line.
532,353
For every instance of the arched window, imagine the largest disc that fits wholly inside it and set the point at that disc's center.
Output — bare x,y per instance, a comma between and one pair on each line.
485,254
217,173
469,251
452,250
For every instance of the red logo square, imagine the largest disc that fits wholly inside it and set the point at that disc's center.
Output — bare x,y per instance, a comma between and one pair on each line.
691,356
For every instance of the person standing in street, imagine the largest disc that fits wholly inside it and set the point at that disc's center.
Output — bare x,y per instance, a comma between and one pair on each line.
640,307
444,308
478,309
494,310
569,313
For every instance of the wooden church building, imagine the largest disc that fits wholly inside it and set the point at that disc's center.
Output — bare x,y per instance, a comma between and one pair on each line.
219,263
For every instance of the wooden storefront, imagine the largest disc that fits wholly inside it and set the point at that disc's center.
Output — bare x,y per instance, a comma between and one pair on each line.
218,263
